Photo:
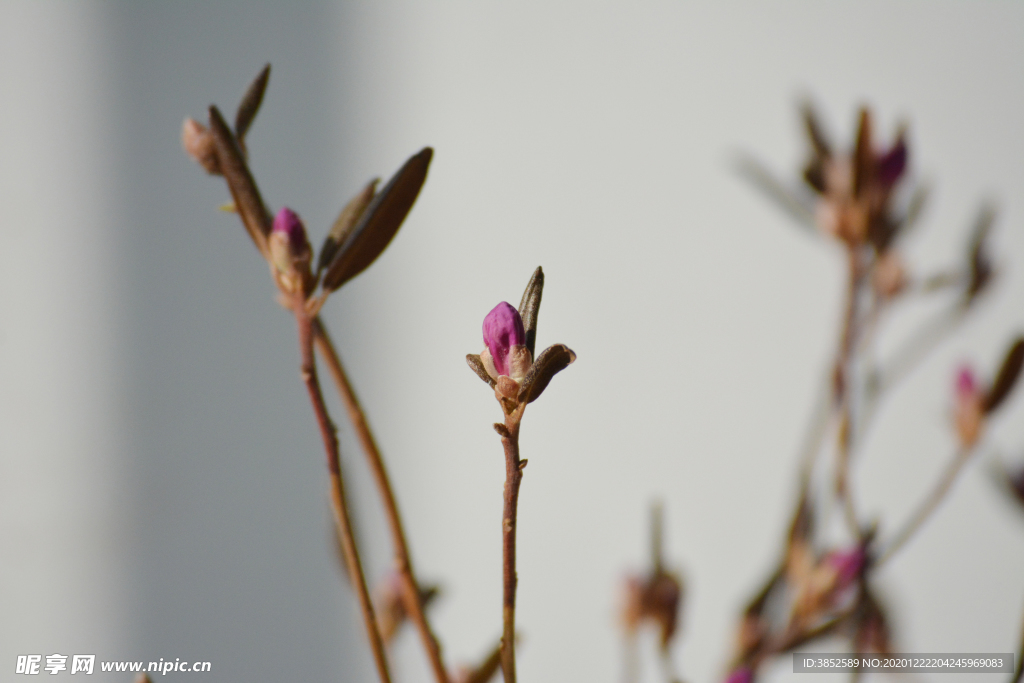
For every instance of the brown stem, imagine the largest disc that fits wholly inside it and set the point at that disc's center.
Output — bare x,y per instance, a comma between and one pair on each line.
412,598
344,523
928,505
513,477
843,393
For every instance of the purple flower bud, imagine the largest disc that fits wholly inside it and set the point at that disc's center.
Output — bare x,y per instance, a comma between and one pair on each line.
503,329
288,223
966,384
741,675
848,565
892,164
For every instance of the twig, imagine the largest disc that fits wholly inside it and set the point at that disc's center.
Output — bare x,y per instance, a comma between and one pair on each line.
410,586
843,392
344,523
928,505
513,477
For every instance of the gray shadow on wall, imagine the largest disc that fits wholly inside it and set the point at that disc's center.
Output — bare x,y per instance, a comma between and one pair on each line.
231,541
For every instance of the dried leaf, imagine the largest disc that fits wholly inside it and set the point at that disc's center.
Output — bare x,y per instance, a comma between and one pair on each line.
477,366
379,222
863,155
551,361
250,104
344,224
1007,377
243,188
978,259
529,307
819,143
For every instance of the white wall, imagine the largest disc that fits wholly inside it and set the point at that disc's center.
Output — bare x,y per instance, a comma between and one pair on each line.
593,139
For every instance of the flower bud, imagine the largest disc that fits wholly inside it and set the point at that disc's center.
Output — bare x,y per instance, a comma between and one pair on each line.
847,565
199,144
290,253
741,675
503,331
890,165
969,412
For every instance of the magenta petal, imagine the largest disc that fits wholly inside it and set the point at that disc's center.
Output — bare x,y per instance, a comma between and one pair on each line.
848,564
892,164
288,222
503,329
966,384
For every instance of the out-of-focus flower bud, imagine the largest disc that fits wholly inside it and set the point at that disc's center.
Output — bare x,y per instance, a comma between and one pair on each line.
199,144
290,253
740,675
889,277
826,584
969,412
847,565
654,599
890,165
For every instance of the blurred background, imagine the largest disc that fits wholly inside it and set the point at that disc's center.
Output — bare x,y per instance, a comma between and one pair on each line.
162,488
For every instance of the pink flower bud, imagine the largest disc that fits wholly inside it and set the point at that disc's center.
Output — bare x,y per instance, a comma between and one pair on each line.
741,675
966,384
969,414
847,565
891,164
290,254
503,330
288,223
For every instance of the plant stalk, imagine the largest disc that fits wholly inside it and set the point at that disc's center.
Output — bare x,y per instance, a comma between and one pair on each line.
513,477
342,519
403,563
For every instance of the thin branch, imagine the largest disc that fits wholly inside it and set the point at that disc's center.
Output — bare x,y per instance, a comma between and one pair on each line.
344,523
928,505
513,477
844,393
403,563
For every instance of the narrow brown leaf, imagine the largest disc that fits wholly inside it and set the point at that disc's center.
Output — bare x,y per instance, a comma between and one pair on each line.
1007,377
819,143
477,366
788,200
551,361
243,188
529,307
344,224
977,252
250,104
379,222
863,155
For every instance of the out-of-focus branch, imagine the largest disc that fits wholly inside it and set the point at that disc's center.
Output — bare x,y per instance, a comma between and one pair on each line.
410,587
